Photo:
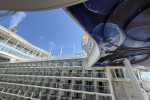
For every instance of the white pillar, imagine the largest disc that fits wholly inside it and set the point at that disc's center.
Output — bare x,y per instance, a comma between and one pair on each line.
110,82
133,79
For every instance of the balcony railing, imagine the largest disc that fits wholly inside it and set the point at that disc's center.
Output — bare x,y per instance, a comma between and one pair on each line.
58,74
54,85
66,86
89,88
53,97
46,73
77,87
63,98
75,99
103,89
77,74
67,74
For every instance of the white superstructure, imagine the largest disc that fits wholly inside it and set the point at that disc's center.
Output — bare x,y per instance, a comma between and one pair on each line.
73,78
13,47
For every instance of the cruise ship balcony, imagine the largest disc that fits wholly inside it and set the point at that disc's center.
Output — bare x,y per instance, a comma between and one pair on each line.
58,73
77,85
46,82
66,83
28,92
89,97
103,89
76,96
64,95
22,91
36,93
104,98
89,86
67,73
53,94
53,72
44,94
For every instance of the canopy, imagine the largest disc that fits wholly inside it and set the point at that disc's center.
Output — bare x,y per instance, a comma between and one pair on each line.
120,27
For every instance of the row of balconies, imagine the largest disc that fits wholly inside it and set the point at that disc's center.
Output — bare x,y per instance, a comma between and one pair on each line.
53,83
51,64
39,93
62,74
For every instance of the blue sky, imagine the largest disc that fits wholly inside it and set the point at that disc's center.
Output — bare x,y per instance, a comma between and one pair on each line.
46,29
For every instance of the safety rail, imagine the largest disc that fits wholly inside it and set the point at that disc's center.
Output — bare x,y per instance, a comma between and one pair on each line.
22,91
78,87
50,64
60,74
87,88
63,98
103,89
66,86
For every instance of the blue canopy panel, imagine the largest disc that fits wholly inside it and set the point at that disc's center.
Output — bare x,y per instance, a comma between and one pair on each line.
120,27
4,14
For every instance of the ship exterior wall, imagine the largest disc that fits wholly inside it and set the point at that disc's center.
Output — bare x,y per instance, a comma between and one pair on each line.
123,90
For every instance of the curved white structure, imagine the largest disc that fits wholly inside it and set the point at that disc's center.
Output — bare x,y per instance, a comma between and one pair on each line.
13,47
92,50
36,5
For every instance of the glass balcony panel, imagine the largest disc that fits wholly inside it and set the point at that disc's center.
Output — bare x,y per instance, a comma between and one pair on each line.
51,73
64,98
28,93
88,75
26,81
43,96
101,75
20,81
38,83
66,86
40,73
15,91
78,87
77,74
1,88
67,74
10,90
15,81
35,94
104,98
89,88
10,80
45,73
54,85
5,89
103,89
21,93
36,73
46,84
53,97
58,74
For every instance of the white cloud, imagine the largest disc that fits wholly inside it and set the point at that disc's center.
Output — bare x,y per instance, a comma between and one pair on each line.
52,44
16,19
42,37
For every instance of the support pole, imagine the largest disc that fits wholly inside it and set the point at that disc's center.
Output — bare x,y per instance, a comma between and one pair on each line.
73,49
61,50
133,79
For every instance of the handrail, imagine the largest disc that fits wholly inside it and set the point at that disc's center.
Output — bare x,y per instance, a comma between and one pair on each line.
46,73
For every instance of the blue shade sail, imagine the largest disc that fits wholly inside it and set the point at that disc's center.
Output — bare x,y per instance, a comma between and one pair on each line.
120,27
